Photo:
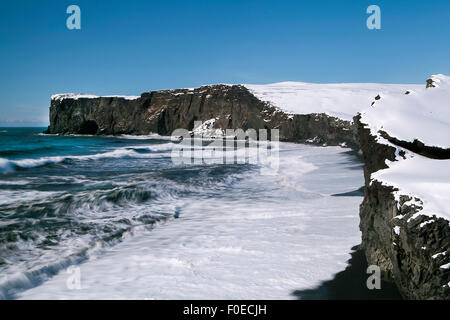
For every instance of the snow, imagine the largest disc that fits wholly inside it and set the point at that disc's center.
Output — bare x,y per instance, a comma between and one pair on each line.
445,266
342,100
397,230
206,129
438,254
425,223
421,177
76,96
424,114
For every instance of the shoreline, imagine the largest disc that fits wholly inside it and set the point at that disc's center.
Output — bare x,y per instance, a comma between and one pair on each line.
349,284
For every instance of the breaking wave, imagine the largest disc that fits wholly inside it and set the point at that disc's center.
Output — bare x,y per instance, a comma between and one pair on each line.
220,224
6,166
67,228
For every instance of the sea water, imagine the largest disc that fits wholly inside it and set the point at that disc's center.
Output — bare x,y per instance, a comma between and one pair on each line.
130,224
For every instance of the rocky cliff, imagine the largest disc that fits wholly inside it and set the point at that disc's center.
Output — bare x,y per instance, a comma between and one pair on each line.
408,246
410,249
162,112
408,237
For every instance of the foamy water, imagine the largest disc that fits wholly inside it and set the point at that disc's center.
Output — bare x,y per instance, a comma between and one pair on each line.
230,232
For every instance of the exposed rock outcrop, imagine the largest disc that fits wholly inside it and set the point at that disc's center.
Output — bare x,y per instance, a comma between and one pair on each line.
164,111
408,247
404,216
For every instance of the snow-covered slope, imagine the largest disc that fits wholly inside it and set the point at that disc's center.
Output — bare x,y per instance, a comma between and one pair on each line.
342,100
423,178
424,114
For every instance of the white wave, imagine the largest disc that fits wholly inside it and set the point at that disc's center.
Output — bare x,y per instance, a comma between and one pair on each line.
153,136
47,134
154,147
254,240
7,166
13,183
9,197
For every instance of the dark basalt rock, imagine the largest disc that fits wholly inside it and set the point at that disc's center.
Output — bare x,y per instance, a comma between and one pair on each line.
430,83
419,147
164,111
88,127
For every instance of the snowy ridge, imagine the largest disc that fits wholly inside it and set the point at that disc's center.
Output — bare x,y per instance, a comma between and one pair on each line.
341,100
423,178
76,96
423,114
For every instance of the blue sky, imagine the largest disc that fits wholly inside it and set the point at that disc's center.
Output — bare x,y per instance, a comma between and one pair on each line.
128,47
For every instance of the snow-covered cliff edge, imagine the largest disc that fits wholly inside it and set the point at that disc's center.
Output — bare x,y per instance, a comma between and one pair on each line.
405,216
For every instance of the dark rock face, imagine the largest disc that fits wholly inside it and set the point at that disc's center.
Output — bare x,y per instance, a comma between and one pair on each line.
410,258
419,147
88,127
164,111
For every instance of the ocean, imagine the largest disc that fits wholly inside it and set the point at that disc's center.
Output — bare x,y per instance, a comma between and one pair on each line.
135,225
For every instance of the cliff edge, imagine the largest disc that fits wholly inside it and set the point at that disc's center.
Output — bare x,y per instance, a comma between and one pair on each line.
161,112
404,215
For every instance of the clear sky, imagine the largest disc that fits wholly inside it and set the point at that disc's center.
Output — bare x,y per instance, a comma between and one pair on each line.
128,47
